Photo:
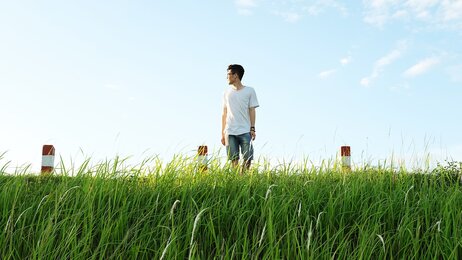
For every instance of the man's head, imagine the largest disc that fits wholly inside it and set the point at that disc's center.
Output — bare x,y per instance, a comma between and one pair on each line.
235,71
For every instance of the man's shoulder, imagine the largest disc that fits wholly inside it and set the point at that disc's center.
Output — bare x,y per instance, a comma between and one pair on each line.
227,91
249,88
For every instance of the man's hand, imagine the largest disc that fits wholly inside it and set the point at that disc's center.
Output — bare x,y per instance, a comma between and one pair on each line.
223,140
253,134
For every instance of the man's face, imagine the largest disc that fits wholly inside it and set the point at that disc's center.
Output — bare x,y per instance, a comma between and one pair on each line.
231,77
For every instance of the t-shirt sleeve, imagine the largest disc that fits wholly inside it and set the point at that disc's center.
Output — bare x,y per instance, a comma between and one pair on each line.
253,99
224,100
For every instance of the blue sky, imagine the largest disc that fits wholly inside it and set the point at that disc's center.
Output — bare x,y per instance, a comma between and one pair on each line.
143,78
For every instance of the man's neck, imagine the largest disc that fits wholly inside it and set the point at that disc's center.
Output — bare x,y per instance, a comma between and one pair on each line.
238,86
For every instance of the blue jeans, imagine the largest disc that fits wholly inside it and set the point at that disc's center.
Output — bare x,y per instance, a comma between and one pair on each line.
239,141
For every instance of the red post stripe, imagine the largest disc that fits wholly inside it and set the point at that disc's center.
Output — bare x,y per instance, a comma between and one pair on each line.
46,169
345,151
202,150
48,150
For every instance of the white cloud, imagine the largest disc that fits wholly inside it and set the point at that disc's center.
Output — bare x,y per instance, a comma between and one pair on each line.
326,74
400,14
376,19
244,7
451,10
377,3
294,10
441,13
389,58
291,10
421,67
378,11
365,82
246,3
419,5
321,5
381,63
290,17
345,61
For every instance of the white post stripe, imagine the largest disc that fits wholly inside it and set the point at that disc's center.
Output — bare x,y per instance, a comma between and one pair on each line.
346,161
48,160
202,159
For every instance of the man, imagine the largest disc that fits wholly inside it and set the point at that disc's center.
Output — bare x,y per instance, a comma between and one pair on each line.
238,118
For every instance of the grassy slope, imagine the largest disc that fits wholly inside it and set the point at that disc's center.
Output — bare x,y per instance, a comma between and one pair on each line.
179,214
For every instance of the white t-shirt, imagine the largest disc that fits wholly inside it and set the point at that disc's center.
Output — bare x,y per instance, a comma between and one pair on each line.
237,103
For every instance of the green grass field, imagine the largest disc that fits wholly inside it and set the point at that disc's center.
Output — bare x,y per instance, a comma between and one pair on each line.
172,211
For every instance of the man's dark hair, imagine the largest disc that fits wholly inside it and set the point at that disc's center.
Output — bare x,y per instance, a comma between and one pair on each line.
236,68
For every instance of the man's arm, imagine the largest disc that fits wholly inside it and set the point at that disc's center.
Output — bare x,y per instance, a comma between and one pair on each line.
252,114
223,125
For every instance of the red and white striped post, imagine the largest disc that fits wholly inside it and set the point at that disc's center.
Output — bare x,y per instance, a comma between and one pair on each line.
202,153
345,152
48,159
